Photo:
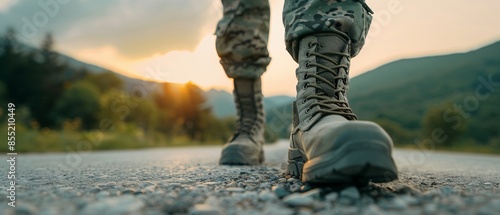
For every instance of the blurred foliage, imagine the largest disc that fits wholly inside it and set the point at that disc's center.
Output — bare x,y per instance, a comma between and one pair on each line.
442,125
80,101
58,106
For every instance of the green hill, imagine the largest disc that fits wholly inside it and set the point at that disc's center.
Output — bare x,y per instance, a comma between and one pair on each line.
401,95
403,91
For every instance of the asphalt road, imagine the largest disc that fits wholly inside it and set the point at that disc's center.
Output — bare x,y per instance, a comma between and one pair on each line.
189,181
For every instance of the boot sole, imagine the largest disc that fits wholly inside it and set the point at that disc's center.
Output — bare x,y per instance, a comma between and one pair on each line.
240,155
354,163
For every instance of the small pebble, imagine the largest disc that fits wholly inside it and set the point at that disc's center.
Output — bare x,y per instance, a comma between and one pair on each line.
235,189
395,203
25,208
295,188
211,183
350,193
265,185
473,184
267,196
314,194
406,189
146,184
102,194
280,191
332,197
123,205
204,209
305,211
298,200
446,190
410,199
128,191
373,210
232,184
430,208
273,209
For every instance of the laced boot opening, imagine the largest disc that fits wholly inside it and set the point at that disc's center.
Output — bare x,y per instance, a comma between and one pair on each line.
332,54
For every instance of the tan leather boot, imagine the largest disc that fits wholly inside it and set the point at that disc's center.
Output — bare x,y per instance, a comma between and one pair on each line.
245,147
327,144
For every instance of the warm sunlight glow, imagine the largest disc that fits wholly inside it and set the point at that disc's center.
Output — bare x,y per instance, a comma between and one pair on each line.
183,91
200,66
6,4
108,57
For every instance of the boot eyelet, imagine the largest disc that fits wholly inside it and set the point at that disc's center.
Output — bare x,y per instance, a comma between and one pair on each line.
306,76
310,45
304,101
306,85
308,65
308,110
308,54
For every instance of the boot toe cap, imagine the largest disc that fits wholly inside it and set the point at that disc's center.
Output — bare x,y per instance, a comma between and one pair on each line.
331,136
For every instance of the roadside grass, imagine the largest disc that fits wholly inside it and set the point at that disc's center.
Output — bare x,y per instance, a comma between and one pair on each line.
71,138
67,139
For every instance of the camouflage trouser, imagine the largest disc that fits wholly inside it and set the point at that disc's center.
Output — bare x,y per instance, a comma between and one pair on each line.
242,36
243,32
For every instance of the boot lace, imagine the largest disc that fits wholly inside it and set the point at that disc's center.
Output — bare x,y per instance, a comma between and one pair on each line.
337,104
248,116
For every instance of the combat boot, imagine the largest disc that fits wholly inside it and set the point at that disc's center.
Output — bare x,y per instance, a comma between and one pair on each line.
328,144
245,146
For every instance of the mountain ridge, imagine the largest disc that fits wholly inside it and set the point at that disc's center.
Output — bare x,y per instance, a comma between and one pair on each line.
400,94
384,71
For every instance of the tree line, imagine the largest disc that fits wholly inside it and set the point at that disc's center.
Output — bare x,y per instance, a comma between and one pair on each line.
49,93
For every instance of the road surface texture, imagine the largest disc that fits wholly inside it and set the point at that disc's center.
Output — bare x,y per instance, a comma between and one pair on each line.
189,181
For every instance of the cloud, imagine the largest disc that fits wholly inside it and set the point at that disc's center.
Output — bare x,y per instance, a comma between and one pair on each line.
200,66
136,28
106,56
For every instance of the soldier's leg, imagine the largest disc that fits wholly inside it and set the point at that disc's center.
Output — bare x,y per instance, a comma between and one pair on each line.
327,144
307,17
242,36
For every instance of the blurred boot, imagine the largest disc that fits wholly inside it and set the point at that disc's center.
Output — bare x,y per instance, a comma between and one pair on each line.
245,147
327,144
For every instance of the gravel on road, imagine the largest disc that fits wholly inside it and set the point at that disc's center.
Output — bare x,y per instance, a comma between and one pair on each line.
189,181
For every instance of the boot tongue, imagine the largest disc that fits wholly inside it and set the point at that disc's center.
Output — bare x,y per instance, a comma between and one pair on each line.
329,43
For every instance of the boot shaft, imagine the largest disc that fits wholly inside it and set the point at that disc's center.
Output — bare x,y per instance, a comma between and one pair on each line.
250,111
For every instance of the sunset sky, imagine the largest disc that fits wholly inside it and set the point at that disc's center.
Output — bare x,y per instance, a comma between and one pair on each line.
172,40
